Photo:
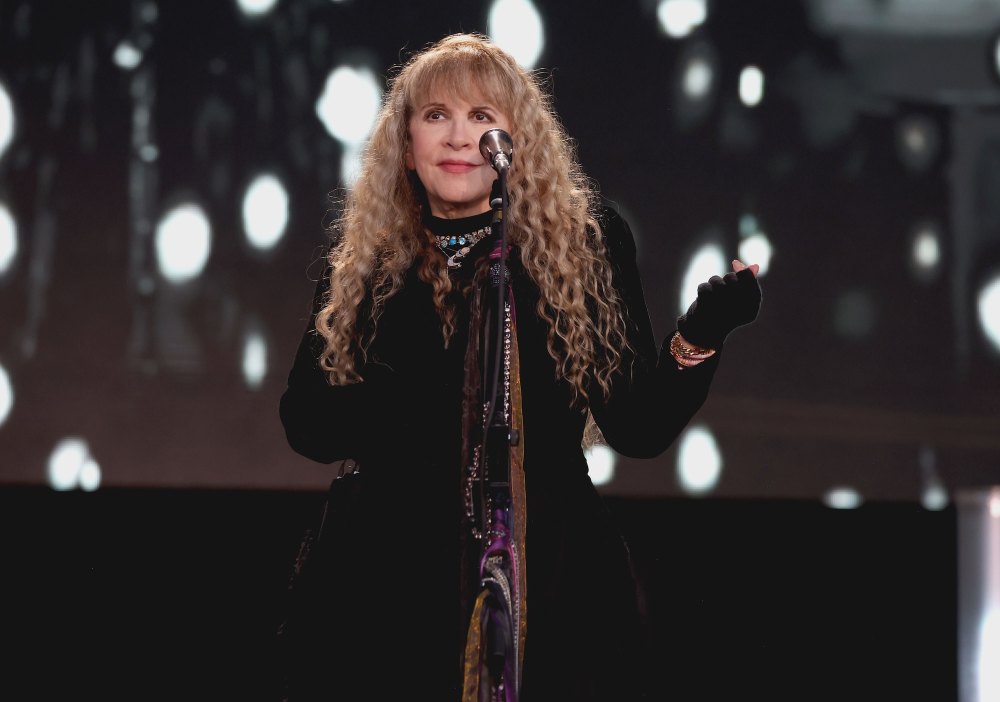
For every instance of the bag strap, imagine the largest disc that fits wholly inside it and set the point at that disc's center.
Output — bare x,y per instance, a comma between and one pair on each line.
341,473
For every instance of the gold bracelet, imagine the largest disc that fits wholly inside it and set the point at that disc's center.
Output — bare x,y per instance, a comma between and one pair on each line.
686,354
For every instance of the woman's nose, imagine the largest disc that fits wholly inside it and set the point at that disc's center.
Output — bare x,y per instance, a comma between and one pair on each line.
460,135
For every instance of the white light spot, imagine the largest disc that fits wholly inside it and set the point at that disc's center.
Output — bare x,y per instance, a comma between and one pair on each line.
915,137
751,86
256,8
149,153
183,242
995,505
349,104
6,395
917,141
679,17
350,166
600,464
516,27
842,498
127,55
90,475
934,498
989,310
265,211
699,462
926,248
757,249
6,119
254,360
706,262
698,77
989,654
8,239
925,252
66,462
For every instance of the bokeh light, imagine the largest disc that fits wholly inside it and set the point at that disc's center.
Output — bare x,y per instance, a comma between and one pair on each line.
694,83
8,239
926,247
600,464
6,120
256,8
751,86
254,360
349,104
6,396
699,461
706,262
678,18
842,498
265,211
934,497
90,475
989,310
917,141
516,27
183,243
127,55
757,248
925,251
66,462
699,76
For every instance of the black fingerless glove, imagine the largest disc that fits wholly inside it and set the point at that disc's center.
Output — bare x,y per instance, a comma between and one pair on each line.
722,305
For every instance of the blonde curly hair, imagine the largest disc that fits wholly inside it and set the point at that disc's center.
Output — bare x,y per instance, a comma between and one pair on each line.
552,219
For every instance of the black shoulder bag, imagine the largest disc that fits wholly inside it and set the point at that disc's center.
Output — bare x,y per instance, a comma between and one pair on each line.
308,584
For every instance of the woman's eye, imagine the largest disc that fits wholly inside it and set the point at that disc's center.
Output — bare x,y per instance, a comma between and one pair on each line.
435,114
482,117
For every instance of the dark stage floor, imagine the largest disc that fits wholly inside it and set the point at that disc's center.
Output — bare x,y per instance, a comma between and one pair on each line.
145,595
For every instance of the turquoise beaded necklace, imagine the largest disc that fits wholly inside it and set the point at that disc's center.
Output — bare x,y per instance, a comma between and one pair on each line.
457,246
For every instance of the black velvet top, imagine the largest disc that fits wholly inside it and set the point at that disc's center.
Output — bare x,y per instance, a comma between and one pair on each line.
403,424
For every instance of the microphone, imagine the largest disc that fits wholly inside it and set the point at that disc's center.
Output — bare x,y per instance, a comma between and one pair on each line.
497,148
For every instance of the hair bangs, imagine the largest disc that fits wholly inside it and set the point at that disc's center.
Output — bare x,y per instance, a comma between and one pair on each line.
462,71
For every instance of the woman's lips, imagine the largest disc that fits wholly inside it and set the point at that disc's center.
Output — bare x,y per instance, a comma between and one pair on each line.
457,166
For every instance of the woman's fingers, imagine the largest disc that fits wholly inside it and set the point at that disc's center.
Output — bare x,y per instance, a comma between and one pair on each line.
739,265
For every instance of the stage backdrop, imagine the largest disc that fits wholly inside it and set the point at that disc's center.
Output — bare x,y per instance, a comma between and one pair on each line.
168,170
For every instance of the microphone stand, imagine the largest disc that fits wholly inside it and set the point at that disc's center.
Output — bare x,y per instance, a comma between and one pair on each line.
497,565
498,434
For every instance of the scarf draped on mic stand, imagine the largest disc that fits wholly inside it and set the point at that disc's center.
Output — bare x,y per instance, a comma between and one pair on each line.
495,513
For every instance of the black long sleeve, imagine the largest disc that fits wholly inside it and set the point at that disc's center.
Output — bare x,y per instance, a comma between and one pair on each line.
652,400
328,423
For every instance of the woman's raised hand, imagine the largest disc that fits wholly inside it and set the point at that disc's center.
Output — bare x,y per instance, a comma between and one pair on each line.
723,304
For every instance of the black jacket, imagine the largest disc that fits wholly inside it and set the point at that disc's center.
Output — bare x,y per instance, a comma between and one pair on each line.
394,590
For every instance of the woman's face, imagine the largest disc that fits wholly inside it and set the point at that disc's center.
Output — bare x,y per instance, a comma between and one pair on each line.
444,151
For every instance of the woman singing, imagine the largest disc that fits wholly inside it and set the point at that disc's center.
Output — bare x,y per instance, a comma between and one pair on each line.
447,587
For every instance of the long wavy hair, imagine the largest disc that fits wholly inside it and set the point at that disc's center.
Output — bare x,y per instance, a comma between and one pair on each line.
552,219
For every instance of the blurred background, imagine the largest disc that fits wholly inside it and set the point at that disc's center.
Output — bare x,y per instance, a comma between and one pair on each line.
167,173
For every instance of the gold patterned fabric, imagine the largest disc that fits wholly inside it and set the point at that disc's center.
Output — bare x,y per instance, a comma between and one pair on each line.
500,609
